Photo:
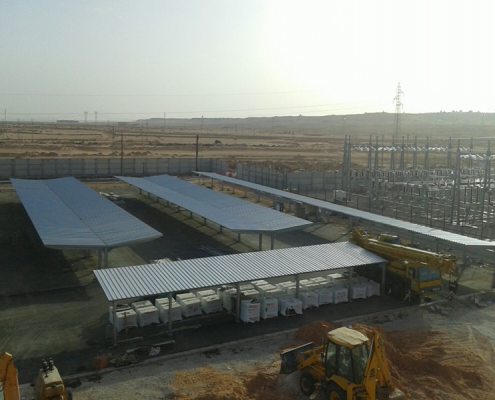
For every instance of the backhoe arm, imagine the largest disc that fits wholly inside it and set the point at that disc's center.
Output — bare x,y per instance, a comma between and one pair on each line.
384,377
8,378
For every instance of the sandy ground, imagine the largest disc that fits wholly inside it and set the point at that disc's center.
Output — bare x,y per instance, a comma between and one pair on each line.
444,351
309,148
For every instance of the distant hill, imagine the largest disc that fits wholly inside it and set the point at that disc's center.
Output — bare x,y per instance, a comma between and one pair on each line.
360,126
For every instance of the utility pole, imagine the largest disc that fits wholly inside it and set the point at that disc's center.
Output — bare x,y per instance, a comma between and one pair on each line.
121,152
486,186
376,154
427,153
197,152
370,150
402,165
201,125
415,154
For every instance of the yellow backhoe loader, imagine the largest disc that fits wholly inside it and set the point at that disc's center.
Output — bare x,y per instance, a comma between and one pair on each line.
49,384
348,367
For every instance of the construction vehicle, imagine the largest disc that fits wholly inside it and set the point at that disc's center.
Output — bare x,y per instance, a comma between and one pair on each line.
348,367
409,270
49,384
9,383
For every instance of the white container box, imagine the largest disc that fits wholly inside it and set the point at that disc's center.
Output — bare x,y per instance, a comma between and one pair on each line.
184,296
304,282
340,294
269,308
332,278
309,299
247,286
325,296
190,307
372,288
318,279
120,307
141,304
289,306
205,293
311,286
259,283
147,316
284,285
211,304
226,297
250,311
358,291
274,293
127,318
163,310
251,294
264,288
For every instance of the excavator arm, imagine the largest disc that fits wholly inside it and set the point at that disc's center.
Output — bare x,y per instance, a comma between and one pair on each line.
8,378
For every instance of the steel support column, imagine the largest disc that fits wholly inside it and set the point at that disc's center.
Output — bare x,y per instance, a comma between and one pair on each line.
106,258
238,302
260,242
99,259
170,314
114,311
272,236
351,272
297,285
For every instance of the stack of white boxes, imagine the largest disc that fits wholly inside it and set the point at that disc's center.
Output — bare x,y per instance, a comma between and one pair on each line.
286,285
372,288
204,293
226,295
325,296
269,308
211,304
250,310
289,305
189,304
308,299
126,317
358,291
147,314
340,294
265,288
163,310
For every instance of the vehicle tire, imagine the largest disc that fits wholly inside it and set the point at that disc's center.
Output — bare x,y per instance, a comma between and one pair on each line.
335,392
69,395
307,384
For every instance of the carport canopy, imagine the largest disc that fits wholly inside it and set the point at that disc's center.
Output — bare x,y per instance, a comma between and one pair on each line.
235,214
69,215
437,234
125,283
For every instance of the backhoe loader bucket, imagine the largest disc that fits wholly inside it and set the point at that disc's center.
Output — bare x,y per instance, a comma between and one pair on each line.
387,394
288,357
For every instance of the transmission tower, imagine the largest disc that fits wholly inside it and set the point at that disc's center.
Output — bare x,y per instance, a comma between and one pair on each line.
398,112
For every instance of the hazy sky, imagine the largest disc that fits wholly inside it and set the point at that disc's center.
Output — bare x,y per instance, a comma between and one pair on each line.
243,58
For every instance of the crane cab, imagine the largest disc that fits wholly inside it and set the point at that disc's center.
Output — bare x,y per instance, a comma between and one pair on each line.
392,239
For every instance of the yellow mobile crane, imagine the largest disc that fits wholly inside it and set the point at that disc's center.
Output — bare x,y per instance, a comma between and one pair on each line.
409,270
348,367
49,384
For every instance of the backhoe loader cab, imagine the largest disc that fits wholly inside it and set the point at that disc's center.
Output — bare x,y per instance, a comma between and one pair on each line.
349,367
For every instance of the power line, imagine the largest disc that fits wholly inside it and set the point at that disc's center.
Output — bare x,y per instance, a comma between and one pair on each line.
213,111
150,95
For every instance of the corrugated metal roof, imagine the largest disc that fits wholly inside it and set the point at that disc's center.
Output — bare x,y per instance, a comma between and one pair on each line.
154,279
424,230
232,213
68,214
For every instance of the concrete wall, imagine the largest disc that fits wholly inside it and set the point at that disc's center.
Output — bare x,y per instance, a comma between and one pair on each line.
103,167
